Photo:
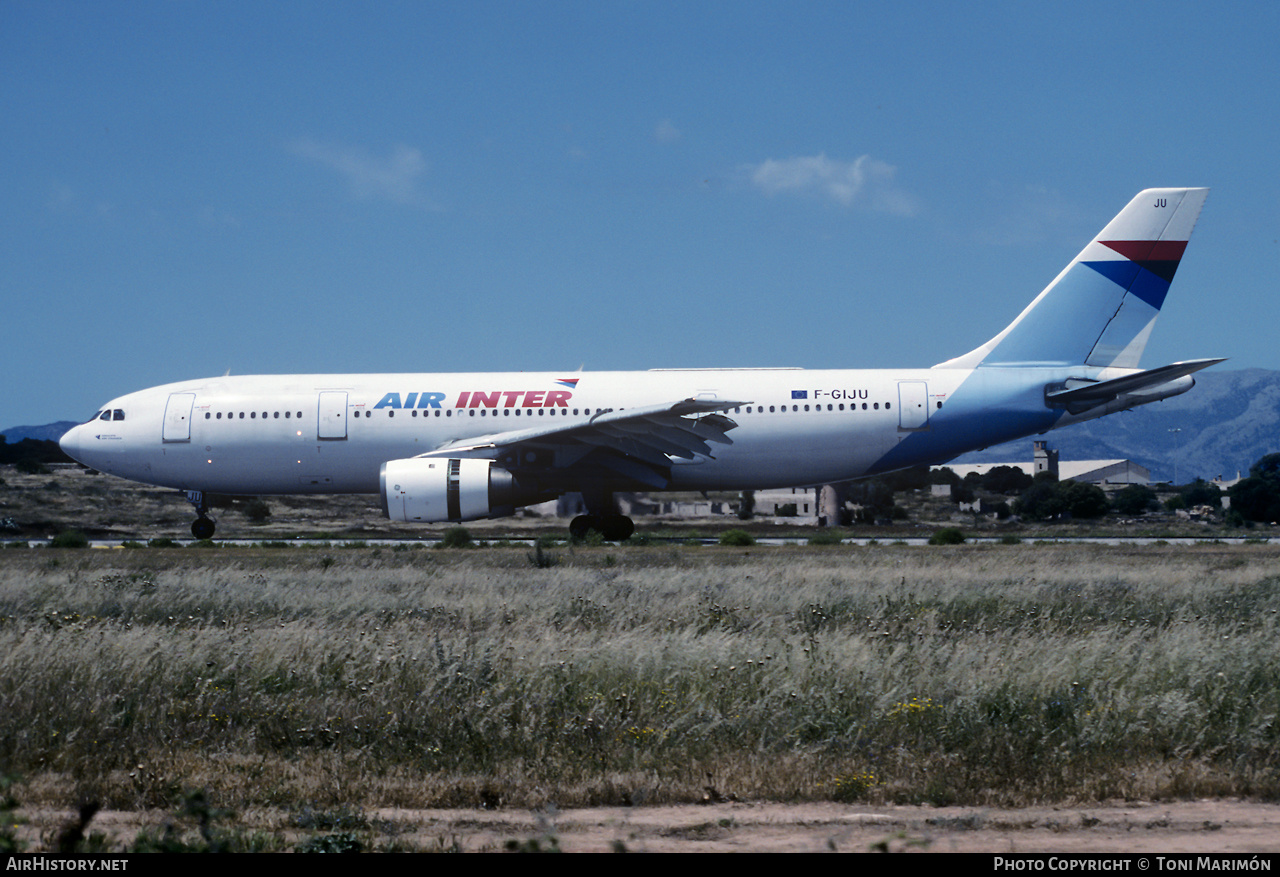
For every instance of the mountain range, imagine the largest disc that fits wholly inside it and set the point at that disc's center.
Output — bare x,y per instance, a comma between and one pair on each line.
1222,426
50,432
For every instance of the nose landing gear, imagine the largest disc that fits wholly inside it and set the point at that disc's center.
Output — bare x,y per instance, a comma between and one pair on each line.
203,526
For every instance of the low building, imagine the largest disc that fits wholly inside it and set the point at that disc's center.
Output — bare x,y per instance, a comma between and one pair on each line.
1045,459
796,502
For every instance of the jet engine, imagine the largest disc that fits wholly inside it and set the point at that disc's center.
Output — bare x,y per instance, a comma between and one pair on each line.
432,490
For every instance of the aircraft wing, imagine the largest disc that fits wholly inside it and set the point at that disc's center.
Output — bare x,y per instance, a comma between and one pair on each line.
638,443
1080,398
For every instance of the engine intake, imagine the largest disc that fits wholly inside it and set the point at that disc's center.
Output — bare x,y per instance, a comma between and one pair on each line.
432,490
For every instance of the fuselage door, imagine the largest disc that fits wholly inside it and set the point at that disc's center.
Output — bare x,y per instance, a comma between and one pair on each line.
333,416
913,405
177,417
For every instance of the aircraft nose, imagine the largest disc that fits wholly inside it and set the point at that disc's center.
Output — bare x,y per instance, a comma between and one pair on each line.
70,443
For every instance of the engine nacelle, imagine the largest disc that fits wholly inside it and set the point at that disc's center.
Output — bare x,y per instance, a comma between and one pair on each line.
431,490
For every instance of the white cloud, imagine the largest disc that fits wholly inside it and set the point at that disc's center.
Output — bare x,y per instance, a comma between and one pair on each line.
865,181
666,132
393,177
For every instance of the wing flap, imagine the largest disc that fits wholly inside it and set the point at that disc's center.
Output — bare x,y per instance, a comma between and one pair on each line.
637,443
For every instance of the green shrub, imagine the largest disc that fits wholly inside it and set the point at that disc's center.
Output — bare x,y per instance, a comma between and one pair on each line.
345,842
1135,500
257,510
69,539
947,536
737,537
456,537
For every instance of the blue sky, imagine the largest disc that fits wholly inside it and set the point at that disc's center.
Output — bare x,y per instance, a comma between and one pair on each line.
191,187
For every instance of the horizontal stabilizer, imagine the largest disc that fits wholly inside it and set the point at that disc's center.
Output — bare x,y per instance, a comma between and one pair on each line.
1089,395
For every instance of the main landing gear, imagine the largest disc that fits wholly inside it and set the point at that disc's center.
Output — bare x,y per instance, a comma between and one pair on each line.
602,516
203,526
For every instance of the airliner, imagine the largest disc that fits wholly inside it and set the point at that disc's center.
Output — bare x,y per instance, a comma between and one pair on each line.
462,447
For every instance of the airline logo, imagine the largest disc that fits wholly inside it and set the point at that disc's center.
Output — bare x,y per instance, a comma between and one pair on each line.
479,399
514,399
1146,268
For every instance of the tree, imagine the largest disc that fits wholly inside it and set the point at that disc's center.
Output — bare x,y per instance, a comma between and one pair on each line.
960,489
1257,498
876,498
1136,499
1266,467
1085,500
1047,499
915,478
1201,492
1039,502
1006,479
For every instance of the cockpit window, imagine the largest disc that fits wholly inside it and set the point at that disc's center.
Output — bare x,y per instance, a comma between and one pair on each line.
95,416
118,414
106,415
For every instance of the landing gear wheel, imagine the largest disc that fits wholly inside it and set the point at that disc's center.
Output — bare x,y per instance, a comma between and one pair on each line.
580,526
612,528
618,528
202,528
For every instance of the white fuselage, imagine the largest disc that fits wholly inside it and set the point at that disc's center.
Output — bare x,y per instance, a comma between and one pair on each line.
331,433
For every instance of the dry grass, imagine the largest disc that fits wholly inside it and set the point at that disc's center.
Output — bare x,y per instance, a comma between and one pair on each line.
330,678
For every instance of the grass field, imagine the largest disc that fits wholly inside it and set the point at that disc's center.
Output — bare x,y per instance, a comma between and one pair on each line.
331,677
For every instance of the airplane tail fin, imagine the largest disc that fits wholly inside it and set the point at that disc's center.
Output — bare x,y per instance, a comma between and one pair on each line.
1100,310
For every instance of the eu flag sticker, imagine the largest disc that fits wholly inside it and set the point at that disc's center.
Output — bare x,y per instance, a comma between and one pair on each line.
799,394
